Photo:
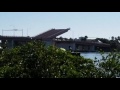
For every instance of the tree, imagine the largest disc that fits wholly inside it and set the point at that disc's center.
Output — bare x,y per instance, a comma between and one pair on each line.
103,40
118,37
34,60
61,38
70,39
85,38
112,38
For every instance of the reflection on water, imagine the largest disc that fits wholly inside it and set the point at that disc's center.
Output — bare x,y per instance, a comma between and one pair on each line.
92,55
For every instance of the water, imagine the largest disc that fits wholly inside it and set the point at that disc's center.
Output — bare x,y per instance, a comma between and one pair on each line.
92,55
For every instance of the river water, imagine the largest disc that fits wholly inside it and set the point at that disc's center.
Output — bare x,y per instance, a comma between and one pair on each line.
93,55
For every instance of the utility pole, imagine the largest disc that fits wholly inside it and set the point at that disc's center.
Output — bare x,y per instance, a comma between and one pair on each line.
22,32
2,32
27,31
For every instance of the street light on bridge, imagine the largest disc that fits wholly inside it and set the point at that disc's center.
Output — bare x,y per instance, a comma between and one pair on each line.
13,31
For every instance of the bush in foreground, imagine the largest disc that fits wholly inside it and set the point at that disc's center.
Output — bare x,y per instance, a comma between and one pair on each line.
35,60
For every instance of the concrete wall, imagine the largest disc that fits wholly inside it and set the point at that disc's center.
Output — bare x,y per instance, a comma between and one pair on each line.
7,43
92,48
85,48
10,43
66,45
49,42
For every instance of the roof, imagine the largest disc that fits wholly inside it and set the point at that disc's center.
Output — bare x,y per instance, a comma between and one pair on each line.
50,34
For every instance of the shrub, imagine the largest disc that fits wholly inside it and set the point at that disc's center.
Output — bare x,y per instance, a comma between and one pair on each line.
34,60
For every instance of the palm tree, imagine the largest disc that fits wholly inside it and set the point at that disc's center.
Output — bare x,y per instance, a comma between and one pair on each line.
61,38
118,37
112,37
85,38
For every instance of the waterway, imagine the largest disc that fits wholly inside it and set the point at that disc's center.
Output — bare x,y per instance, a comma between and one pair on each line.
93,55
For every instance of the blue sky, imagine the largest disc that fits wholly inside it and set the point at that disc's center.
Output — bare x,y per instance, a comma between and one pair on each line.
92,24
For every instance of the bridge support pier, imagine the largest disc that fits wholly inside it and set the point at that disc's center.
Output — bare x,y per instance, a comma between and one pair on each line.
10,43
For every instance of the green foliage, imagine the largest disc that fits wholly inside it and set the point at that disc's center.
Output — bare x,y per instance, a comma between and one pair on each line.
103,40
109,65
35,60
